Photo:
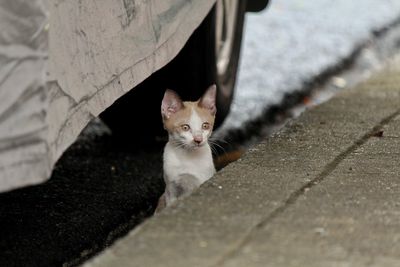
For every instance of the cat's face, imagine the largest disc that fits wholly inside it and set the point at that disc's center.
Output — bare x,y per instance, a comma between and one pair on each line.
189,124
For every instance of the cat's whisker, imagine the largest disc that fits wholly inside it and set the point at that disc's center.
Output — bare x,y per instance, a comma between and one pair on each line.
214,151
219,140
215,144
182,145
179,144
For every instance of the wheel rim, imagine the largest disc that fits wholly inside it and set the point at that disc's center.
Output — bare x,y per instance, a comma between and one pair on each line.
226,16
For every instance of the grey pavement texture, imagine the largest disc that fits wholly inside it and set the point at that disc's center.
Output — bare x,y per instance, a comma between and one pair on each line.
294,41
323,191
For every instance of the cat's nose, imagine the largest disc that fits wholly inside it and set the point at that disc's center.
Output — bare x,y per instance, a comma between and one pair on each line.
198,139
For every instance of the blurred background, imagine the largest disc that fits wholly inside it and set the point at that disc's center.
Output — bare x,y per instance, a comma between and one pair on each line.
292,43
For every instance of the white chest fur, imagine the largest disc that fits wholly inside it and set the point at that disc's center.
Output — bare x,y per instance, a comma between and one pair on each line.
178,161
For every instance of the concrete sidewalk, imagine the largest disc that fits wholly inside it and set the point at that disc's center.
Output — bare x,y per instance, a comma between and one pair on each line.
324,191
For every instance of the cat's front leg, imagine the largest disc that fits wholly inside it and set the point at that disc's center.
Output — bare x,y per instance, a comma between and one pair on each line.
179,188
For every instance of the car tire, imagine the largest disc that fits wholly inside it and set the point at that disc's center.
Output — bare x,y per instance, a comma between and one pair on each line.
226,58
190,73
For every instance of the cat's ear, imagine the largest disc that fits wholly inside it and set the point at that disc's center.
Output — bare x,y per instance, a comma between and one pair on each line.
171,104
207,101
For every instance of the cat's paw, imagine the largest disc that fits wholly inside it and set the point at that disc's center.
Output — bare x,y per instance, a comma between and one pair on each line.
162,203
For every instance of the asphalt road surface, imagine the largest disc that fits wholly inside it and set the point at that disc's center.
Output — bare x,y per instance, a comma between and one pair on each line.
101,189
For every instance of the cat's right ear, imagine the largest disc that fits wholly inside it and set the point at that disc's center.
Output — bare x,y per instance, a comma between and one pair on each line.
171,104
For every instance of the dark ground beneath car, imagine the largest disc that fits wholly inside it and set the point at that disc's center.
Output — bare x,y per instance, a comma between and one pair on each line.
98,191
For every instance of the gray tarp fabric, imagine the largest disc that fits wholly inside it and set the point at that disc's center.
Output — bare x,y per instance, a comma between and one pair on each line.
63,62
23,93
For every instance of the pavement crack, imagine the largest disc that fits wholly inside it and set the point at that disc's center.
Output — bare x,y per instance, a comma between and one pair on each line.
293,197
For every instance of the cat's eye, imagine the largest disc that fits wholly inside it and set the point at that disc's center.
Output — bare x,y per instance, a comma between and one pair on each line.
205,126
185,127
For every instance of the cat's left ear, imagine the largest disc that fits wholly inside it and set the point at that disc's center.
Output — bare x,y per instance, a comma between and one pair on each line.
207,101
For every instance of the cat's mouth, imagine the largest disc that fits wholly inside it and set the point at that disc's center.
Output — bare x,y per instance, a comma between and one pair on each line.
197,145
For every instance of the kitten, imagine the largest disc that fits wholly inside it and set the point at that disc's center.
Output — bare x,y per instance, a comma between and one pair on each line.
187,156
